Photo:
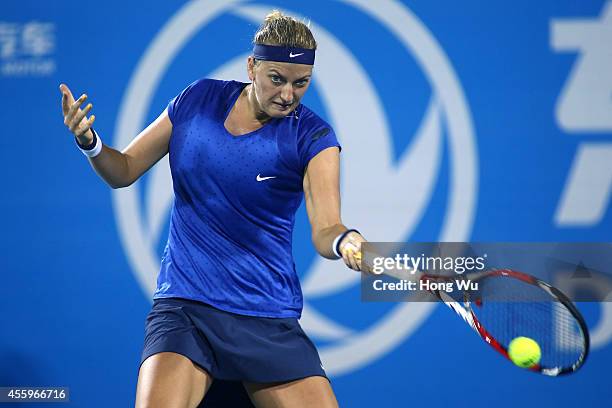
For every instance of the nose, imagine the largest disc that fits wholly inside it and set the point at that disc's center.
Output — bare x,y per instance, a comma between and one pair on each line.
287,93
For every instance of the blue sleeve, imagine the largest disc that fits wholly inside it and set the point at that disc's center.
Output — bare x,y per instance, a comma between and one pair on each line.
186,104
315,140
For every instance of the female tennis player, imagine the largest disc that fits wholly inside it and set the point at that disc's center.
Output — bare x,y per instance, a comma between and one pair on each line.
242,155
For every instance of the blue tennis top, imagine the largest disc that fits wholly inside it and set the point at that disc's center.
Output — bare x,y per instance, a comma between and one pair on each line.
235,201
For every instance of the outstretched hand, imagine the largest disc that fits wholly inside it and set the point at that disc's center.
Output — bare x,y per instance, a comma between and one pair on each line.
75,118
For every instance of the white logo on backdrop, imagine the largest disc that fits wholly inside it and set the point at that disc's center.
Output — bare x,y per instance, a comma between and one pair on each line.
340,80
585,107
26,49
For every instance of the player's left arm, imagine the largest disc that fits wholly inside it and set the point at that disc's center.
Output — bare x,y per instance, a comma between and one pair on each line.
322,197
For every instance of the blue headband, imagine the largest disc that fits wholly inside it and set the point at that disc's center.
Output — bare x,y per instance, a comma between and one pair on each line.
284,54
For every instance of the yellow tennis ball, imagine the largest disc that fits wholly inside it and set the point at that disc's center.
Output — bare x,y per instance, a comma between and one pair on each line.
524,352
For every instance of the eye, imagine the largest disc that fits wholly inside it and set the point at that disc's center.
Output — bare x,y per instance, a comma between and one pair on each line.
276,79
302,83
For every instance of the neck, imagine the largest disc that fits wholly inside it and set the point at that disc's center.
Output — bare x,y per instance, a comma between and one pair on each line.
253,107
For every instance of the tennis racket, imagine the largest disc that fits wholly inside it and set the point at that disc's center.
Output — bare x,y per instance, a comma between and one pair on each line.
510,304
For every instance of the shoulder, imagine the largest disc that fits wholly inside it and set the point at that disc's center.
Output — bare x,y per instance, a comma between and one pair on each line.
202,94
311,124
314,135
309,118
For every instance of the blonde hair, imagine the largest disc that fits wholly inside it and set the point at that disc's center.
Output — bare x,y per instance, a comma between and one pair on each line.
279,29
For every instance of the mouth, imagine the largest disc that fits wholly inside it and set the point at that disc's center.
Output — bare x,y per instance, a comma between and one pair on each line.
283,106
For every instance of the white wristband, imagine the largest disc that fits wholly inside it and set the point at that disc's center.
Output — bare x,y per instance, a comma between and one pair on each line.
338,240
94,151
335,245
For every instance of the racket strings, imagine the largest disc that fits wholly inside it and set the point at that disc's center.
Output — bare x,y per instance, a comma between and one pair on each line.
510,308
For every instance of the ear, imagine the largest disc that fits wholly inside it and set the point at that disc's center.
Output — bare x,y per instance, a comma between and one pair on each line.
251,68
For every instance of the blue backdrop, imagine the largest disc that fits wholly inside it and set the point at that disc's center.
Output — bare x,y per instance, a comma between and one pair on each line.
472,120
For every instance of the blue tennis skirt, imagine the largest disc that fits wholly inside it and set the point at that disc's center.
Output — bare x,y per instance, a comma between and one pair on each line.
230,346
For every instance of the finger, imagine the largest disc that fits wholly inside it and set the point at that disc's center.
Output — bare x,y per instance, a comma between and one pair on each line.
64,104
76,121
347,250
87,126
64,88
72,111
363,266
345,258
69,115
360,265
350,259
74,107
353,260
67,98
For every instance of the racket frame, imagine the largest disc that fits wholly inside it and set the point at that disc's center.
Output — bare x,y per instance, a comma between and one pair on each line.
465,311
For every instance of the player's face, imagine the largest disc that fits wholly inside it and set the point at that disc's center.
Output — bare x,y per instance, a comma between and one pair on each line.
278,86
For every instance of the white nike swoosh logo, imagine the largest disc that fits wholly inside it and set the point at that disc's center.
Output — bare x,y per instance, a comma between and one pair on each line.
259,178
292,55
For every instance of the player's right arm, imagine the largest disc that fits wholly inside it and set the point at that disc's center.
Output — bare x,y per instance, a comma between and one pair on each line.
118,169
